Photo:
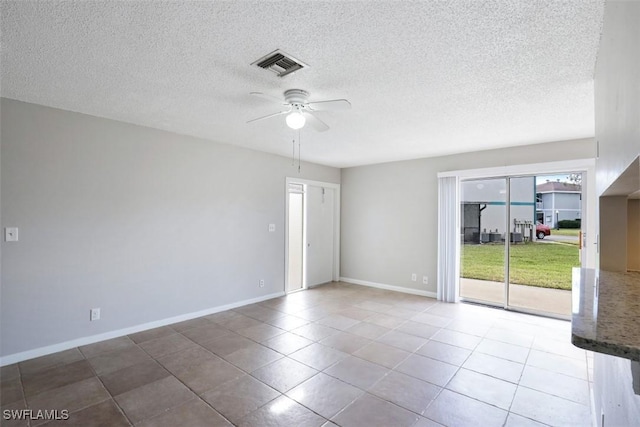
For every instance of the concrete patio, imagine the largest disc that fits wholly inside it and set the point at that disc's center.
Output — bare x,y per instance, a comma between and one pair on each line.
553,301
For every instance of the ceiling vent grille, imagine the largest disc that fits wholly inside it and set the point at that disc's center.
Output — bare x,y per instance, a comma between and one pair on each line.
280,63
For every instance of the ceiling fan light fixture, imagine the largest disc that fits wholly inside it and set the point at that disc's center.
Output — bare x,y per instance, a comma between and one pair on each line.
295,120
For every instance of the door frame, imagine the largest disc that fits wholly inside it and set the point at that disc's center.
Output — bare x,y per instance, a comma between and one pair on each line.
335,274
588,213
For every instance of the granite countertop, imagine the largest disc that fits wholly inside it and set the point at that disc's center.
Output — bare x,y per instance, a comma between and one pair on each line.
606,312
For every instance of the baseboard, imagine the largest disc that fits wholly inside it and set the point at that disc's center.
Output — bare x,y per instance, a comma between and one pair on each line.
43,351
389,287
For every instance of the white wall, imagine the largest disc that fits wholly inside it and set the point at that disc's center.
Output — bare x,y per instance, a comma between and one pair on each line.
142,223
389,211
617,102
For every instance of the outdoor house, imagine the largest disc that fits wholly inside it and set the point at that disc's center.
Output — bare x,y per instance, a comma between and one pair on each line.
557,201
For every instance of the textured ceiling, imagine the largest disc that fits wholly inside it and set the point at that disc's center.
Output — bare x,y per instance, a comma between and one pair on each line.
424,78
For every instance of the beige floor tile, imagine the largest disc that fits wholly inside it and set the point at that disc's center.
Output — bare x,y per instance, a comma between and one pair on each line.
368,330
431,319
510,337
284,374
282,412
194,413
445,352
71,397
227,344
113,361
427,369
345,342
114,344
9,372
209,332
184,360
374,306
402,341
382,354
562,348
455,410
549,409
503,350
494,366
368,410
52,360
338,321
426,422
166,345
459,339
405,391
357,372
10,391
55,377
514,420
253,357
418,329
151,334
239,397
189,324
477,328
208,375
241,322
560,385
152,399
103,414
560,364
356,313
135,376
385,320
318,356
287,343
482,387
315,332
288,322
324,395
261,332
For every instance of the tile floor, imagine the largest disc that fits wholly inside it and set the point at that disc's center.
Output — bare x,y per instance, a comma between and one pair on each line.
337,354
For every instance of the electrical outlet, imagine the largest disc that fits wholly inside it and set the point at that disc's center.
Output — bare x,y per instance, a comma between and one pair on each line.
11,234
425,280
94,314
261,284
414,277
272,228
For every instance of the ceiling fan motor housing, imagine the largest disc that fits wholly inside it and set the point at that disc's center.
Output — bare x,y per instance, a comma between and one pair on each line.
296,96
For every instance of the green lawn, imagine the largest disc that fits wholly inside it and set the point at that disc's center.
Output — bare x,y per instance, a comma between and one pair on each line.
566,232
546,265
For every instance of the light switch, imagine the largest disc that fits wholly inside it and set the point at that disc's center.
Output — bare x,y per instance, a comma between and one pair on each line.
11,234
272,228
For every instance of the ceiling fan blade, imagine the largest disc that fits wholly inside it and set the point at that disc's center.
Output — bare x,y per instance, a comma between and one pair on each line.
332,105
268,97
315,122
279,113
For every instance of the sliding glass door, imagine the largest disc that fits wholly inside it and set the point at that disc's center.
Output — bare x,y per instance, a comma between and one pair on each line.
483,217
508,257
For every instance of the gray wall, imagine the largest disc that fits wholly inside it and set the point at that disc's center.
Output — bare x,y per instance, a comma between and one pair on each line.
142,223
390,214
617,109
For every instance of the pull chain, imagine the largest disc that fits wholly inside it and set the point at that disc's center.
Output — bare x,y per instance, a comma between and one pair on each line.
299,150
293,152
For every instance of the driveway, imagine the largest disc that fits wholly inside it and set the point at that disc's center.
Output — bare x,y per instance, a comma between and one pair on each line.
562,239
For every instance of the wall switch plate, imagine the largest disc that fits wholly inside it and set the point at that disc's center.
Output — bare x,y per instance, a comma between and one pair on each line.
272,228
425,280
94,314
414,277
11,234
261,283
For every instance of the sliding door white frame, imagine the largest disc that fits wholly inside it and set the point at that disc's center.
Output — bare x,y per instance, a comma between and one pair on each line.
449,247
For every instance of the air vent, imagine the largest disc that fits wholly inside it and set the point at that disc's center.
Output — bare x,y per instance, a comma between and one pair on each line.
280,63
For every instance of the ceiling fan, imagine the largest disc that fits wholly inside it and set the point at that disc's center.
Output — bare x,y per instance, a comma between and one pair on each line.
299,111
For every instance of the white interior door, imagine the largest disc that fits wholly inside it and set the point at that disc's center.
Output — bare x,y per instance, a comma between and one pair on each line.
319,234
